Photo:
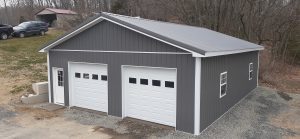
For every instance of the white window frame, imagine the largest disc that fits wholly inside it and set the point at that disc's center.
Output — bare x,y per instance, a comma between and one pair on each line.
221,84
250,70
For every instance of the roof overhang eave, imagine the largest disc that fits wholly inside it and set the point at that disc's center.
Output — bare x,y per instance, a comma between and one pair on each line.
219,53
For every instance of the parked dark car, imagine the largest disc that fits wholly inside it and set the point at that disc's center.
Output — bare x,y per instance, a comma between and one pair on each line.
30,28
5,31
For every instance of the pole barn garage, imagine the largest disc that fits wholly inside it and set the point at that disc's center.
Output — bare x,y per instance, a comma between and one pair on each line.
177,75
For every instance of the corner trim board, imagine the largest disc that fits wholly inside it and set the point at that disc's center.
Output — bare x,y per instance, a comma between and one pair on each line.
197,95
49,79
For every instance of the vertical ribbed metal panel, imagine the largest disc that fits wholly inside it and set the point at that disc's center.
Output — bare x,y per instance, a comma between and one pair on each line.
110,37
239,85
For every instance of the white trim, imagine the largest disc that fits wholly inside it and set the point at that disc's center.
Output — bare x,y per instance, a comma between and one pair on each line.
49,79
69,85
123,87
227,111
257,70
54,96
210,54
223,83
249,71
70,82
197,95
101,51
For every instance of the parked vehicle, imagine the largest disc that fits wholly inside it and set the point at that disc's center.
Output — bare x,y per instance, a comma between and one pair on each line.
30,28
5,31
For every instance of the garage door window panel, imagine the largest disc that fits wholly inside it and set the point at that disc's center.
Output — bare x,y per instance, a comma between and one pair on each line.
95,77
86,76
169,84
132,80
77,75
156,83
104,77
144,81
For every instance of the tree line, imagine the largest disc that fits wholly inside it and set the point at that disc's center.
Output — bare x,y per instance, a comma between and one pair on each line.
273,23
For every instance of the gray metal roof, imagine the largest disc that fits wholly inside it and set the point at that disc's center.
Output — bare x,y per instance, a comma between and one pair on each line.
196,39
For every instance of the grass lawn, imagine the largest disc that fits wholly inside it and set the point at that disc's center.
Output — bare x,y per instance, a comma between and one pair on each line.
21,62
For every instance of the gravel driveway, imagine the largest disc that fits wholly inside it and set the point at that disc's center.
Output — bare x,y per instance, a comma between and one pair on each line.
264,113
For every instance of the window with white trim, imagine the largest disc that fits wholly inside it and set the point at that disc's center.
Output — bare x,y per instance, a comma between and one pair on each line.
223,84
250,71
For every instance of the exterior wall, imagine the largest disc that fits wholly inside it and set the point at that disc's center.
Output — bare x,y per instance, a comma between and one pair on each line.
107,36
238,84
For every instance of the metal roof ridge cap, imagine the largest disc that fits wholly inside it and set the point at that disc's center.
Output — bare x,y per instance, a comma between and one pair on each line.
164,22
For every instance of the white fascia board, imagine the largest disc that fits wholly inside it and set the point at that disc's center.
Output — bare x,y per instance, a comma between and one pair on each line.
133,52
211,54
197,95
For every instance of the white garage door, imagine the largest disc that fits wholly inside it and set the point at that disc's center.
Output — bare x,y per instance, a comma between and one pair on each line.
150,94
89,86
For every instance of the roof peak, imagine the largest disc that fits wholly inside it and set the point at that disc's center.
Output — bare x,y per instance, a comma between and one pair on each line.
140,18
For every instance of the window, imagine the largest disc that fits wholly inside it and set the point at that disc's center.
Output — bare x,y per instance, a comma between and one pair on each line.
86,76
250,71
223,84
155,82
95,77
77,75
104,77
169,84
60,78
132,80
144,81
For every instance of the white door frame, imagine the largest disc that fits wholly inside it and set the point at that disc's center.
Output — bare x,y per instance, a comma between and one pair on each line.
70,79
54,80
123,87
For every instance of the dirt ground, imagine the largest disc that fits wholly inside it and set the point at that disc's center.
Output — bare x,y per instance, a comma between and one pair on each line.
264,113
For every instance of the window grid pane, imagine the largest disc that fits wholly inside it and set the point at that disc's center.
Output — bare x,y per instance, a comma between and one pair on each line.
144,81
95,77
132,80
155,82
86,76
169,84
104,77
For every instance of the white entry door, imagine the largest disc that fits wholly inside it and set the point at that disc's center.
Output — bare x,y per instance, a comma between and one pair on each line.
89,86
150,94
58,85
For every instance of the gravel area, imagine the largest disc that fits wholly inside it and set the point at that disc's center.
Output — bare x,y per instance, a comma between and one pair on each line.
264,113
251,118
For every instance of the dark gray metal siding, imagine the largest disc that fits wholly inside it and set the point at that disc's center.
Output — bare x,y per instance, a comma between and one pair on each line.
239,85
111,37
123,39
